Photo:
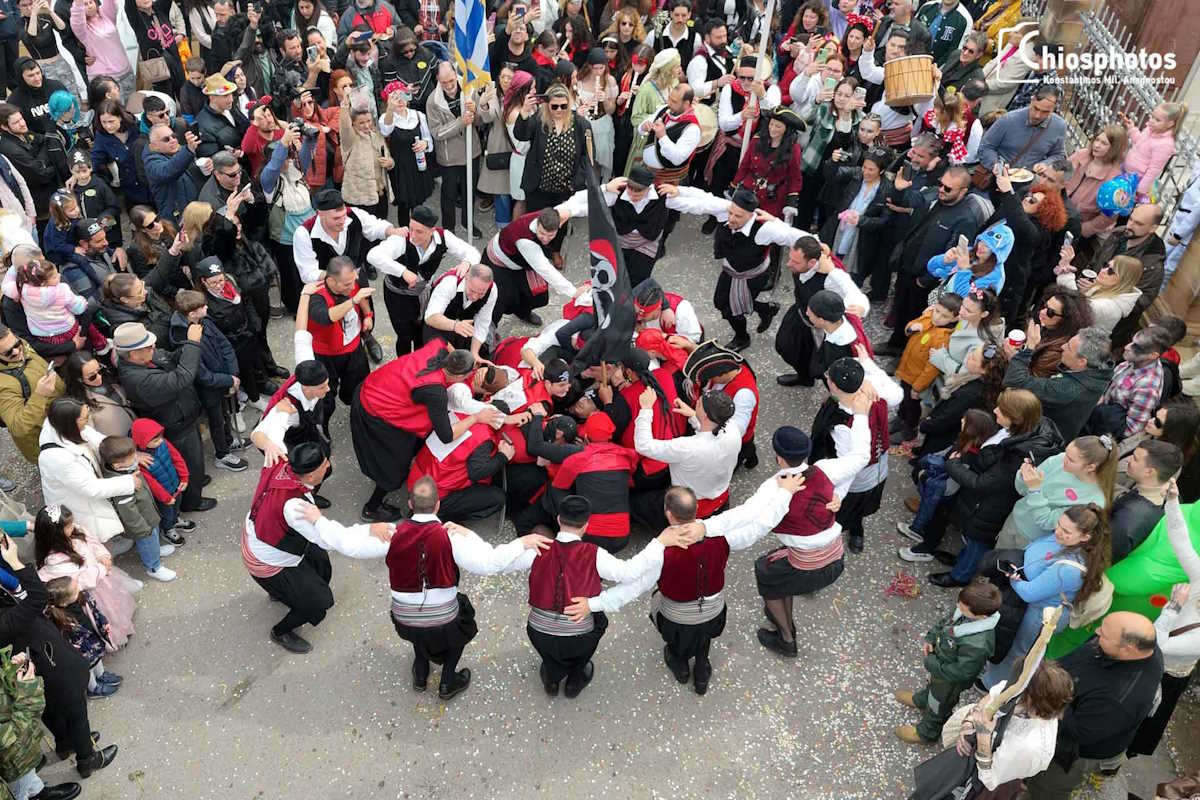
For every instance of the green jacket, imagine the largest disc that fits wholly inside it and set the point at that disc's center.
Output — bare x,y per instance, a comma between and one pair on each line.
22,410
820,121
21,704
961,647
137,511
1067,397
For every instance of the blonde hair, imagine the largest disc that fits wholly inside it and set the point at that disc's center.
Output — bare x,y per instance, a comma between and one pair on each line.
639,32
948,109
1118,143
561,91
188,300
666,76
1100,452
1129,271
1176,113
194,218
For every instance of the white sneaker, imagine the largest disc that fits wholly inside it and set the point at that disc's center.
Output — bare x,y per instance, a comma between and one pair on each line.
908,533
242,397
260,404
230,462
163,574
165,550
135,585
119,545
907,554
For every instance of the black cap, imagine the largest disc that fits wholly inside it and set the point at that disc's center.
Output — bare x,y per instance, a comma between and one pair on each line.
328,200
311,373
563,423
846,374
827,305
636,359
748,61
305,457
641,176
596,56
746,199
424,215
209,267
791,444
86,228
717,405
78,156
557,371
564,69
575,507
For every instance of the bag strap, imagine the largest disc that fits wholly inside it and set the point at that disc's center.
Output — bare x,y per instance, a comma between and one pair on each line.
1184,629
1074,564
19,374
1032,141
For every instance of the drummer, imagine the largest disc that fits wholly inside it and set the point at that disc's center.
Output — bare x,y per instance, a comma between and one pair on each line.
898,114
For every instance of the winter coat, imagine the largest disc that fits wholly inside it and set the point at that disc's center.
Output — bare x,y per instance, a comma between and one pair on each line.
245,260
999,238
914,368
170,183
364,182
218,362
873,223
531,130
1067,397
1084,184
1147,156
108,149
933,231
164,389
137,511
449,140
168,471
238,321
217,132
111,413
988,493
1036,513
72,477
155,314
22,410
58,244
21,705
942,426
42,163
961,648
87,629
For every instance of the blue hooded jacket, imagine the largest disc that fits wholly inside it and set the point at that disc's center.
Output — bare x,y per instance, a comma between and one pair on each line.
999,239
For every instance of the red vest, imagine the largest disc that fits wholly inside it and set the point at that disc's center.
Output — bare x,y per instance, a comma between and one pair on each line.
807,514
664,426
671,301
328,339
276,486
387,392
563,571
508,352
745,380
516,436
535,392
420,557
450,474
571,309
695,572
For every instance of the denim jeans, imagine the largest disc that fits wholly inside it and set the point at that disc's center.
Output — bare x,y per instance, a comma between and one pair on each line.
503,209
147,550
931,487
968,560
168,514
26,786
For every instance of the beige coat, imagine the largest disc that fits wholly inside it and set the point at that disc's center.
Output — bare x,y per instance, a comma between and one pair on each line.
364,181
490,180
449,135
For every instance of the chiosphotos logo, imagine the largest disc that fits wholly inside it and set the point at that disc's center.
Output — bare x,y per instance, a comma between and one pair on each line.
1071,66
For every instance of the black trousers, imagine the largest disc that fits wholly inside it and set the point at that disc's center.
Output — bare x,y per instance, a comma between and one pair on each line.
67,719
289,276
8,48
404,312
260,299
187,442
250,365
304,589
566,656
910,300
685,642
646,508
523,482
213,401
454,192
346,374
479,501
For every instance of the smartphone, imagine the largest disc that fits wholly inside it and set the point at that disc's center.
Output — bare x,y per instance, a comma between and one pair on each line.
860,93
822,56
829,84
964,243
520,12
1068,239
314,52
998,167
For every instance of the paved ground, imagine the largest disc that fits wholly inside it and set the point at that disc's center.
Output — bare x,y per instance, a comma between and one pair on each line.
212,709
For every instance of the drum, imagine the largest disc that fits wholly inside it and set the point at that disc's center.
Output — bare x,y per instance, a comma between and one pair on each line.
708,123
908,80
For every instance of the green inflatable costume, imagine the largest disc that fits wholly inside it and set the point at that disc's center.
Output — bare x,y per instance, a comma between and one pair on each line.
1141,582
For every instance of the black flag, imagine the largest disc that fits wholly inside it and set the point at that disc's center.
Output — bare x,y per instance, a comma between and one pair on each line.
612,296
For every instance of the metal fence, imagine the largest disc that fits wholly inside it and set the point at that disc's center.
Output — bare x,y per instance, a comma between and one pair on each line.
1088,106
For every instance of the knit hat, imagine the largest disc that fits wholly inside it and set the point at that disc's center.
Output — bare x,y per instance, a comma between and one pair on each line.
328,200
846,374
599,427
596,56
664,57
424,215
305,457
745,199
791,444
827,305
132,336
311,373
748,61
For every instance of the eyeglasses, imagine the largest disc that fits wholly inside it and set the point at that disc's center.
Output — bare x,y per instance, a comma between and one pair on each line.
1051,313
233,173
559,106
970,51
1108,269
90,376
12,351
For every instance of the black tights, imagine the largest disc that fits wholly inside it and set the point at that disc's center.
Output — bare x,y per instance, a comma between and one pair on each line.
780,613
292,620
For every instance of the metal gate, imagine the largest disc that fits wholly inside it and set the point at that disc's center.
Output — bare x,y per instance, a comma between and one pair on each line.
1087,107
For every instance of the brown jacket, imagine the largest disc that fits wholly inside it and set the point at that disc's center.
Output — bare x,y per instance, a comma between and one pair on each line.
364,181
914,368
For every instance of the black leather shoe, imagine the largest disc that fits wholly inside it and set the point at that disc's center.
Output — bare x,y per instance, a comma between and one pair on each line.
681,672
944,580
771,640
791,379
383,513
99,759
550,687
321,502
764,318
709,226
291,642
276,371
419,683
738,343
207,480
372,273
856,543
700,682
62,791
205,504
751,460
459,682
573,689
531,318
946,557
374,351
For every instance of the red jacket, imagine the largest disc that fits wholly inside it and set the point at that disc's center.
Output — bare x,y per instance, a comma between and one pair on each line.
143,431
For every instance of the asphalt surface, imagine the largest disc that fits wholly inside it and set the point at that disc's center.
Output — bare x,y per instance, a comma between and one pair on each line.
211,708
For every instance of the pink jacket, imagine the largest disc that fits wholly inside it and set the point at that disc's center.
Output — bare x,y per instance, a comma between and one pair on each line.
1081,190
60,565
100,39
1148,154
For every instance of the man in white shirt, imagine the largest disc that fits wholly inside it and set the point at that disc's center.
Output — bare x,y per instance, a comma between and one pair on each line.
460,309
519,255
745,98
408,261
673,134
710,68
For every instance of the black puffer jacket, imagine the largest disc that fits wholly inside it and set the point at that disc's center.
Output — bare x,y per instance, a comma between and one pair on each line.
236,320
155,314
247,261
165,389
988,494
216,132
23,624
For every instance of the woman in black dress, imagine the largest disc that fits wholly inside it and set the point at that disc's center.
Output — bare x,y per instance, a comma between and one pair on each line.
411,148
155,38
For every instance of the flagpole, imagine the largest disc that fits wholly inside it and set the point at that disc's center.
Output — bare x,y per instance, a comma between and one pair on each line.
764,36
470,184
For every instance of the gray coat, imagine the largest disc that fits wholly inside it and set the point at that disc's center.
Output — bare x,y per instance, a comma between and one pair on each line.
449,135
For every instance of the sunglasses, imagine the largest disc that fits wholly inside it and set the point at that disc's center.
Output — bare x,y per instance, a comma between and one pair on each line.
12,351
150,223
90,376
1108,269
944,187
233,173
1051,313
170,137
559,106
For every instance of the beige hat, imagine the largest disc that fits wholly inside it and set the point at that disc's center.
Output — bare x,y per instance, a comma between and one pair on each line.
132,336
218,85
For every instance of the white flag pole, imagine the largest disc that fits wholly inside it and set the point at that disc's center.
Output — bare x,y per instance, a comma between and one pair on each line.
764,37
470,184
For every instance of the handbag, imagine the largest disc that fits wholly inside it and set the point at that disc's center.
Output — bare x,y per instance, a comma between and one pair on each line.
497,162
153,70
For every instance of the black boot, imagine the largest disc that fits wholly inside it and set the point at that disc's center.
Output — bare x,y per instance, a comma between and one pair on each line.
741,336
62,791
458,684
700,678
856,543
680,671
709,226
576,685
99,759
374,351
766,313
551,687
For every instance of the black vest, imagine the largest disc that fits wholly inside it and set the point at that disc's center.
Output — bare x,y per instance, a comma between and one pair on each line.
673,133
715,67
828,417
411,260
806,289
685,47
650,223
741,251
309,428
356,244
457,309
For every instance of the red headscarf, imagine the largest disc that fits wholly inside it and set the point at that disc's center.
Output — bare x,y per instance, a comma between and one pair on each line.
652,340
599,427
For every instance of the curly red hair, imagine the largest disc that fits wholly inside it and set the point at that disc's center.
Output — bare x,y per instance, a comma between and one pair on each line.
1051,213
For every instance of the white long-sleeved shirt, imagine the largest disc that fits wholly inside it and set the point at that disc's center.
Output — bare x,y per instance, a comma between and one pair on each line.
385,255
840,283
471,554
703,463
373,228
774,231
414,119
870,475
443,293
276,422
531,250
676,150
697,70
729,120
609,567
1181,652
354,541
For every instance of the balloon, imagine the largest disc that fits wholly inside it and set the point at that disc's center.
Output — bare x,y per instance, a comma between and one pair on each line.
1117,195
